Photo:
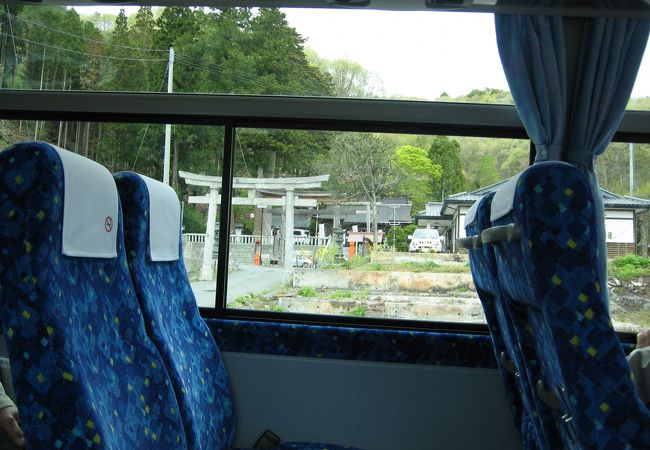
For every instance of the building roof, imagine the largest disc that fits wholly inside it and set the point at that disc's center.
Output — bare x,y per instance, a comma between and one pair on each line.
389,211
610,200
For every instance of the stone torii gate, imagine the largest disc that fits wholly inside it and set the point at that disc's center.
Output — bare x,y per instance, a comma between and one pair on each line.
289,201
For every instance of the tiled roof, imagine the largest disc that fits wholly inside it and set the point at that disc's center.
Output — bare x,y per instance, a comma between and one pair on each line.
610,200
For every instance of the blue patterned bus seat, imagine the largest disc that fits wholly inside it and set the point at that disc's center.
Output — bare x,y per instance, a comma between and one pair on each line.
175,325
550,279
531,413
85,373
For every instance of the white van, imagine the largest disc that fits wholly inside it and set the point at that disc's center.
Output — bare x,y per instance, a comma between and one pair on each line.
425,240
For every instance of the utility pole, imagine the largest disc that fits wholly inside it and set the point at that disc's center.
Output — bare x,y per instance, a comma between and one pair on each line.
631,168
168,127
40,89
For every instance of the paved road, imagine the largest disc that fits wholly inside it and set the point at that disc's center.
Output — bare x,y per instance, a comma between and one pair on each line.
246,280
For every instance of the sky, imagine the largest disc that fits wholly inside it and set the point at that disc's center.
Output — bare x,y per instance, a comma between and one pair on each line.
416,54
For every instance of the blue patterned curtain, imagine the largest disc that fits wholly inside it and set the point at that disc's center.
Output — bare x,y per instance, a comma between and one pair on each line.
611,53
532,50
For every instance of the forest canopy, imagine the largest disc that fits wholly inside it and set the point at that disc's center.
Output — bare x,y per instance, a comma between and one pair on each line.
235,51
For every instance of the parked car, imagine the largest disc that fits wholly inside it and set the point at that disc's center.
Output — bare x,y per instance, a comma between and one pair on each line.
302,261
425,240
300,236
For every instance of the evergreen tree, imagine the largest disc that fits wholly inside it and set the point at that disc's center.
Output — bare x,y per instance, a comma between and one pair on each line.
445,152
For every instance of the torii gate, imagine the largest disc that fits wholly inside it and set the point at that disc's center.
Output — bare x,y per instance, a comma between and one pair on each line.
289,185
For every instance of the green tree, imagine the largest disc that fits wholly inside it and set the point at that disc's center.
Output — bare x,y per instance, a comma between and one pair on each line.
486,95
349,79
445,152
281,66
400,235
419,175
488,173
639,103
361,167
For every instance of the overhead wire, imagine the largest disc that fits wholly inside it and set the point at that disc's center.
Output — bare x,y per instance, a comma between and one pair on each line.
147,127
79,52
188,61
11,29
67,33
242,154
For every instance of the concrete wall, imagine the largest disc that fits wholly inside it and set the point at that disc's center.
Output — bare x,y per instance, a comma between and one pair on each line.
383,281
402,257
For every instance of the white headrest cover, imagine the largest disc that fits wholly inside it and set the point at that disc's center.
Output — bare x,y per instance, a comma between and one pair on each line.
164,221
90,208
470,216
504,198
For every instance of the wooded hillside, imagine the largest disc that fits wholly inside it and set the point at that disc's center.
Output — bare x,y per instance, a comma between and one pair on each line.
235,51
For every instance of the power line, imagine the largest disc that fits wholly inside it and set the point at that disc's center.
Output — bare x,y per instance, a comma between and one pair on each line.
135,161
11,29
240,76
56,30
244,77
192,62
79,52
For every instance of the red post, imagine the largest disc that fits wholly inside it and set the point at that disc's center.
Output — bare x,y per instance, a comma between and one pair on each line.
352,250
257,259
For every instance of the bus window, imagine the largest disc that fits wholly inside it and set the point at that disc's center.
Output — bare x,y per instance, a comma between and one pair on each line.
425,180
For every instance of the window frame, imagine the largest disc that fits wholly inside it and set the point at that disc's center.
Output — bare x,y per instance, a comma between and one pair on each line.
290,112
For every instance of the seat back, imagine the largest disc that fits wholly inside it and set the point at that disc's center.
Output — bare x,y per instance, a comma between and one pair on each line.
84,371
485,278
547,265
511,350
171,314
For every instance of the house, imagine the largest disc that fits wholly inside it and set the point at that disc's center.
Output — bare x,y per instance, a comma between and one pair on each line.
620,217
390,212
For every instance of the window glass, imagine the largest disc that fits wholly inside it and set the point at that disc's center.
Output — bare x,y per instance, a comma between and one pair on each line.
140,147
640,98
627,200
329,192
262,51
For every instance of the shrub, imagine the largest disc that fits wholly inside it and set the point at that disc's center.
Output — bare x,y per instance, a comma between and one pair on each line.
325,257
340,294
358,261
359,311
630,266
307,291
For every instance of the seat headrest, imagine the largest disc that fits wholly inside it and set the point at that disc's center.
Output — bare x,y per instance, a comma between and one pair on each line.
504,198
90,207
470,215
164,221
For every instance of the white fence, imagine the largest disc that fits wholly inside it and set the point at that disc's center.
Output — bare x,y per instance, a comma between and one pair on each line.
249,239
314,241
193,237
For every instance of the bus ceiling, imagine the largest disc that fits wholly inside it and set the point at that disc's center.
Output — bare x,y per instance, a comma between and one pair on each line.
639,9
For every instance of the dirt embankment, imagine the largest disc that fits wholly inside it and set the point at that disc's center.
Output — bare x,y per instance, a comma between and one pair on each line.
629,303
